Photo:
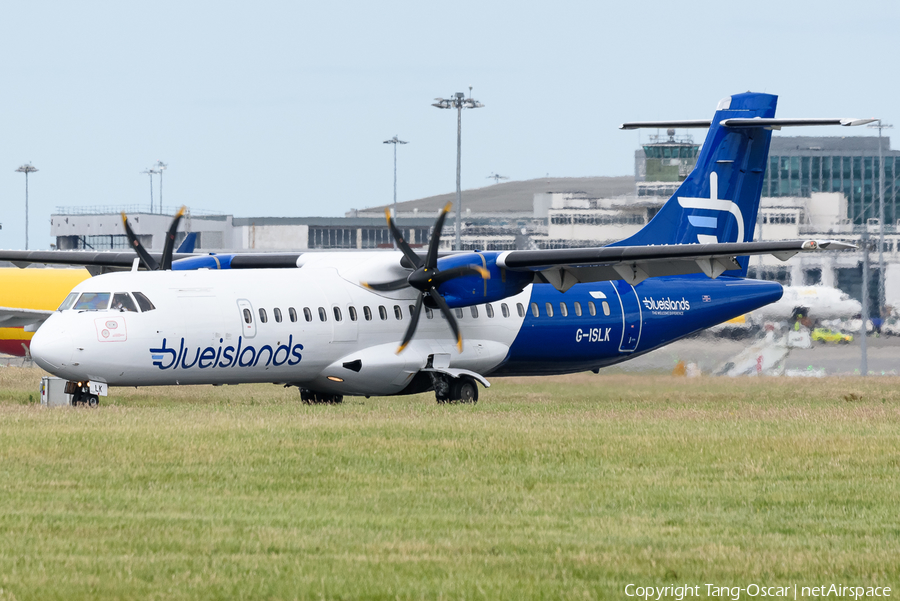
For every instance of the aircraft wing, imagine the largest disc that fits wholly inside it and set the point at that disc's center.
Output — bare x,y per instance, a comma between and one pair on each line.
97,262
567,266
11,317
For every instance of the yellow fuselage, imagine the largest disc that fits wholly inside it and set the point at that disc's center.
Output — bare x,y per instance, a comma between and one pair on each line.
39,289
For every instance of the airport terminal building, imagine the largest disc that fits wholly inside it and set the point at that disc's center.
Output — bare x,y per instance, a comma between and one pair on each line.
814,188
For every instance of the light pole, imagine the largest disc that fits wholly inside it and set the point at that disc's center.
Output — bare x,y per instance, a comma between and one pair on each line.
458,102
26,169
881,300
395,140
160,167
151,172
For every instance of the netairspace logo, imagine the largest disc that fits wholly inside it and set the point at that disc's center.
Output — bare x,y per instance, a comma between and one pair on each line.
734,593
667,305
210,357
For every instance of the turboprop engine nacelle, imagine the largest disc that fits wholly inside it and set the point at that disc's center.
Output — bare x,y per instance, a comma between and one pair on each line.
473,289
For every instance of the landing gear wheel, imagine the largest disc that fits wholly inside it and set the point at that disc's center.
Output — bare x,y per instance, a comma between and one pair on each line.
77,398
311,397
464,390
93,401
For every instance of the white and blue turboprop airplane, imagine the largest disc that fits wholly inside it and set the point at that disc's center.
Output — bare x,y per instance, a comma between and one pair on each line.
331,323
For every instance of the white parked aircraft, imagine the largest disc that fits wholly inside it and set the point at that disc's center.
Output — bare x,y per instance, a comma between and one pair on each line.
815,302
395,322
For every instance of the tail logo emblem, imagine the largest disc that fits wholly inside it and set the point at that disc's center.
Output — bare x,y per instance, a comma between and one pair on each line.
713,203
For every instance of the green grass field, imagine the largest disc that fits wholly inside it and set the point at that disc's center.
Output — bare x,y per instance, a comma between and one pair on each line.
568,487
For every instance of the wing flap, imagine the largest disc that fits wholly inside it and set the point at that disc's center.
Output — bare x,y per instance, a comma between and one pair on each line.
565,267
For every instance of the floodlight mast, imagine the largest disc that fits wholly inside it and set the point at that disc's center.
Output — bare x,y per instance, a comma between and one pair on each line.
458,102
26,169
395,140
160,167
881,295
151,172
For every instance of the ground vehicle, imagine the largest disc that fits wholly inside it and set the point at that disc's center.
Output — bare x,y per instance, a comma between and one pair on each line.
825,335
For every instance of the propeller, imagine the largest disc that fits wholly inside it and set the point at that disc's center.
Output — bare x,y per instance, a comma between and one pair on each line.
165,262
426,278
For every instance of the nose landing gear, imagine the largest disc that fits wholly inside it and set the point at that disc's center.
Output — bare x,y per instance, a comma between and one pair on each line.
82,395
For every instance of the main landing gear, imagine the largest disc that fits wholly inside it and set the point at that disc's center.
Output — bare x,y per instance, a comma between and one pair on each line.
311,397
463,389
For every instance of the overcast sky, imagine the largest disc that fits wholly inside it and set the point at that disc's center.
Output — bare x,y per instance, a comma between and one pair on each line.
280,108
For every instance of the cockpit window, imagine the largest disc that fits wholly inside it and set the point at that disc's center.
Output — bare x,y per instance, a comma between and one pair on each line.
122,302
143,302
70,300
93,301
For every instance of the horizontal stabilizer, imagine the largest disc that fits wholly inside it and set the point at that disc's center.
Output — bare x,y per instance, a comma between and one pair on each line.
739,122
11,317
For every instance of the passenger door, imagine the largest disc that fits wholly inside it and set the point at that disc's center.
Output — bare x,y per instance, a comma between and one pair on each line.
632,318
248,321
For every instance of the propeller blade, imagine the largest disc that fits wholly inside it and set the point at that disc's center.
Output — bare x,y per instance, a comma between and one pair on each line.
148,261
166,262
442,305
456,272
413,322
432,256
401,243
386,286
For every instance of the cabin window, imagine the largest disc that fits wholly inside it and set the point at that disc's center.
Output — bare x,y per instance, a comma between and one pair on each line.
122,302
323,315
429,313
489,310
459,313
474,311
443,316
549,308
504,309
248,316
337,314
263,318
367,313
412,310
307,314
277,312
143,302
521,310
591,308
382,312
352,311
534,309
93,301
398,312
577,308
70,300
605,306
563,309
292,312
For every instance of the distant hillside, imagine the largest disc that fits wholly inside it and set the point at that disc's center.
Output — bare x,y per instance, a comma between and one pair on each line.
517,197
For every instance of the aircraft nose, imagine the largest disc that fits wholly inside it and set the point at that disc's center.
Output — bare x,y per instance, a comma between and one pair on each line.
51,350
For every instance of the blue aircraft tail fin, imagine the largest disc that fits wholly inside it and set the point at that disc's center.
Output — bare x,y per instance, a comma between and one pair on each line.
187,245
719,200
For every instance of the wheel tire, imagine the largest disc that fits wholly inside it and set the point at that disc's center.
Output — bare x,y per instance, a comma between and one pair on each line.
465,390
93,401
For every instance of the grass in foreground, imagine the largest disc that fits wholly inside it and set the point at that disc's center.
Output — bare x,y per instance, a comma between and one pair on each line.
566,487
